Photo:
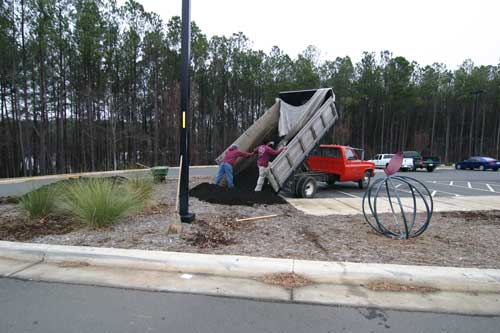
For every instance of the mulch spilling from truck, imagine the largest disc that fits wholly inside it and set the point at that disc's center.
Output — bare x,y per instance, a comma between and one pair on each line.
242,194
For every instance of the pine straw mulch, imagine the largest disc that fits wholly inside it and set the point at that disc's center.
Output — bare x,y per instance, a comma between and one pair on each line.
285,280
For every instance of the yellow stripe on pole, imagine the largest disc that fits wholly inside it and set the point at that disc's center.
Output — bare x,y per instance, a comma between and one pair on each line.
183,119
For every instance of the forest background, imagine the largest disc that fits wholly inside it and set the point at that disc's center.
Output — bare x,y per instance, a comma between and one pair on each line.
90,85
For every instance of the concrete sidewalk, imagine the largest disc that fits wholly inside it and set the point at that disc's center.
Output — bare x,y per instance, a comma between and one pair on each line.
446,289
351,206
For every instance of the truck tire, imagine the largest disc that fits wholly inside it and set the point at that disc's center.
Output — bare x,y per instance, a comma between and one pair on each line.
298,187
308,187
365,182
430,169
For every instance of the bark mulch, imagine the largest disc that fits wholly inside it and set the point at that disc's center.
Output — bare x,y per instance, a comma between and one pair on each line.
468,239
235,196
22,229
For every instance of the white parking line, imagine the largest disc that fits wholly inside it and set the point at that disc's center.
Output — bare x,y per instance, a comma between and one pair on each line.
489,183
469,185
454,194
451,183
491,188
475,189
349,194
433,193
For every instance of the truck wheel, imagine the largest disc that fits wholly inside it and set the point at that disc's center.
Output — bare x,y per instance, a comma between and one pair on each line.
430,169
308,187
365,182
298,187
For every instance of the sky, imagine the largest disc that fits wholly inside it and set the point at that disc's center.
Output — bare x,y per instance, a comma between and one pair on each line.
426,31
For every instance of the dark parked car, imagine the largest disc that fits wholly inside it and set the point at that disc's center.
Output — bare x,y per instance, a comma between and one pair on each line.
479,162
429,162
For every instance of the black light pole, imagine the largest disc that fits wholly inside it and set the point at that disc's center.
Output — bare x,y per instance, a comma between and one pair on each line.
184,213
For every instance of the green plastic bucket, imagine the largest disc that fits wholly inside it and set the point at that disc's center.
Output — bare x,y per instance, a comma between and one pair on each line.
159,173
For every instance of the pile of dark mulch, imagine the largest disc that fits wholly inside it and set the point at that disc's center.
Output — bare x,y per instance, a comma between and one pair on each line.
242,194
235,196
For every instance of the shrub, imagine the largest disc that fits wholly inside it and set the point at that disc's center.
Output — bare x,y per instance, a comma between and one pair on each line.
141,189
41,202
99,202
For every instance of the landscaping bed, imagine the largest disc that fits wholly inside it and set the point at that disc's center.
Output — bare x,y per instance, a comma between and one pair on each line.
468,239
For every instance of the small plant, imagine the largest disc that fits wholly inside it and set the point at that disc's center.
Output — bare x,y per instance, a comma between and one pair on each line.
41,202
99,202
141,188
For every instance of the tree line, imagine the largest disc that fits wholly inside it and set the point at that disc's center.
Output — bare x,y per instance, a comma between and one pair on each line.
90,85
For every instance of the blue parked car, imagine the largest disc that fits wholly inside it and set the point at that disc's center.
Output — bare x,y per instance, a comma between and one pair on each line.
479,162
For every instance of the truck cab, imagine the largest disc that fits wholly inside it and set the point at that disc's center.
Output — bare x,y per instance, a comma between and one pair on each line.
429,162
341,164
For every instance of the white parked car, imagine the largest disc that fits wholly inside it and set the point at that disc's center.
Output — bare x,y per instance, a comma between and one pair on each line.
382,160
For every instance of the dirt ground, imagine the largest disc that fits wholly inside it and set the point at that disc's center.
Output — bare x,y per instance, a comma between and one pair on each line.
468,239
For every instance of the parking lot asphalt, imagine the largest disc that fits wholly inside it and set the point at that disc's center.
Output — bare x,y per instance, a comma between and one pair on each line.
441,183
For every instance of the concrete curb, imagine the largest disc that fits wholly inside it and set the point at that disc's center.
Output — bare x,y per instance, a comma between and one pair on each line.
221,265
90,174
340,273
461,290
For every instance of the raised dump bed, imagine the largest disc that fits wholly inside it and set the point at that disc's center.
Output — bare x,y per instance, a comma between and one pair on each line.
290,160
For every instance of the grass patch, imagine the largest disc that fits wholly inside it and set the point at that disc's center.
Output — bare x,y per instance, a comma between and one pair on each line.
40,202
141,188
100,202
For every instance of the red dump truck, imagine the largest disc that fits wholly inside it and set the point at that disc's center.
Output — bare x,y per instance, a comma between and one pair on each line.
331,164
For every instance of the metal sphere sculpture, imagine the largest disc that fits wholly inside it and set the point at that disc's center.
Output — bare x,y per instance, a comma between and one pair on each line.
407,202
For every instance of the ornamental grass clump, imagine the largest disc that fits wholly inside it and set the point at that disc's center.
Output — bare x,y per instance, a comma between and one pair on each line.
41,202
99,202
141,189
